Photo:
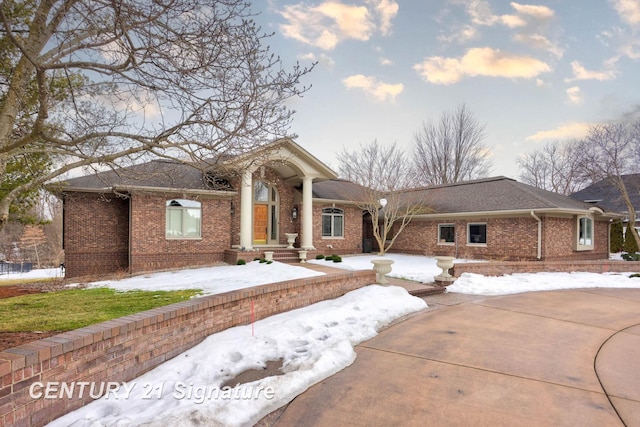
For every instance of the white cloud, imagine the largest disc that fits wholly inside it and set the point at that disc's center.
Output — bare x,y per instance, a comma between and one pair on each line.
380,91
568,131
535,11
575,95
324,60
465,34
581,73
387,10
629,10
540,42
386,61
479,62
481,13
511,21
330,22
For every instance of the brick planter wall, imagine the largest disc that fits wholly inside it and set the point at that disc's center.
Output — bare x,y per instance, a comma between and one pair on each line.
125,348
497,268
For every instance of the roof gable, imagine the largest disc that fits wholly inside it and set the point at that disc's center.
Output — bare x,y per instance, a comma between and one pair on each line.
605,194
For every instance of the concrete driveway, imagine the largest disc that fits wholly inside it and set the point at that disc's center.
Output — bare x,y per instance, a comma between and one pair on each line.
562,358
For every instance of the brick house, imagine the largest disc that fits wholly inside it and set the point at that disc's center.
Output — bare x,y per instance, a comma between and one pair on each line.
165,214
502,219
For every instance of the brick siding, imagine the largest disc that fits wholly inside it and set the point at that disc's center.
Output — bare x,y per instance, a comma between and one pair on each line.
123,349
351,242
508,239
96,234
151,250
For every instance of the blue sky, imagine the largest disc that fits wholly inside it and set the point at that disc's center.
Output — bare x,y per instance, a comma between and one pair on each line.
533,72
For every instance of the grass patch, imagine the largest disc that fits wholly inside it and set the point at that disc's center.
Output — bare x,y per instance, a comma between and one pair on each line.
72,309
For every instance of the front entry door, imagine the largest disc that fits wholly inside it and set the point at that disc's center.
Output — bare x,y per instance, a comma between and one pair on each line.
260,224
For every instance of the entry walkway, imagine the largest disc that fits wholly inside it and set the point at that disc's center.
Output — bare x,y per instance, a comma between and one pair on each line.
562,358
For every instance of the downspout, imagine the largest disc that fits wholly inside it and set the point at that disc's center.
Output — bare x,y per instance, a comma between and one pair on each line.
130,256
539,253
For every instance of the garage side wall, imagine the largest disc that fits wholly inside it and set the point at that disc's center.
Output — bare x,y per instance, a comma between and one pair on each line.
96,234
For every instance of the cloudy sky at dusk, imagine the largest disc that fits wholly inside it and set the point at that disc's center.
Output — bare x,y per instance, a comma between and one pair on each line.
533,72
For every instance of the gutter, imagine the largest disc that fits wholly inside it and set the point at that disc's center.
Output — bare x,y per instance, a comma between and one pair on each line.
539,253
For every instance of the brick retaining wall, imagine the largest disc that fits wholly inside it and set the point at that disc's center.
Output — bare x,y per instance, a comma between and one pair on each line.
125,348
498,268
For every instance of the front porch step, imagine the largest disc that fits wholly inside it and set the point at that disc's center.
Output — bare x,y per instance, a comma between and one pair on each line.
285,255
428,290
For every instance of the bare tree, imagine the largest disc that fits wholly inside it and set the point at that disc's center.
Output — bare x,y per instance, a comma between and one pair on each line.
95,83
609,151
383,172
555,167
452,149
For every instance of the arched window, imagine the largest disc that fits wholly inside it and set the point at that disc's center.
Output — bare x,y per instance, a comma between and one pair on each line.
332,222
585,233
184,219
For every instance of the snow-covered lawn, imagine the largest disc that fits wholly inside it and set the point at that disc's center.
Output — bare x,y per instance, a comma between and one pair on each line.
40,273
423,269
469,283
212,280
410,267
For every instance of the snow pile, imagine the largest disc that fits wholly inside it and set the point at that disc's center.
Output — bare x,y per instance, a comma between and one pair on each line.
40,273
313,342
212,280
410,267
470,283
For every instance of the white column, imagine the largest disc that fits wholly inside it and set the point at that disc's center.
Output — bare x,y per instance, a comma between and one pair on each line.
246,206
307,214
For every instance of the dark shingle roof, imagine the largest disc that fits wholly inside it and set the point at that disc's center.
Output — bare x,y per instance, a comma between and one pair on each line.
338,189
492,194
482,195
155,174
605,194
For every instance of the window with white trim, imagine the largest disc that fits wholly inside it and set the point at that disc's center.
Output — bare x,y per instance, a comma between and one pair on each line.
477,234
332,222
446,234
584,233
184,219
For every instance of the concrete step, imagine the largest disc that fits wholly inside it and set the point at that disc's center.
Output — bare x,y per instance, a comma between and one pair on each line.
428,290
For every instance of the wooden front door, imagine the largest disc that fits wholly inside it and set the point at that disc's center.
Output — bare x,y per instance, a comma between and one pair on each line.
260,224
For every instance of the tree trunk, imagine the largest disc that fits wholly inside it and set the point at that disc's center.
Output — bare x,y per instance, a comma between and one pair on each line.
631,226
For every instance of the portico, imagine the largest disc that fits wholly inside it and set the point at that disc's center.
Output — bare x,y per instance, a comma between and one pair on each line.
262,212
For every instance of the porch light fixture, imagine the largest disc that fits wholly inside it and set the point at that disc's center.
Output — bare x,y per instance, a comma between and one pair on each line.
294,212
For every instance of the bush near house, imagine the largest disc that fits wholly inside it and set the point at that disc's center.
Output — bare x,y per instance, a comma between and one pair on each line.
617,237
630,245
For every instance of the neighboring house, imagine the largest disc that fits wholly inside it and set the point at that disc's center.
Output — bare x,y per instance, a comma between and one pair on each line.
605,194
502,219
165,214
